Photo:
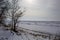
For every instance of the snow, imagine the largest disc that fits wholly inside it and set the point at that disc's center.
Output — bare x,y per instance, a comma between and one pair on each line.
42,27
7,35
26,34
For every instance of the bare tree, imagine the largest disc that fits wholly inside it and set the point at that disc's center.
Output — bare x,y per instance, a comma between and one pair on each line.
13,11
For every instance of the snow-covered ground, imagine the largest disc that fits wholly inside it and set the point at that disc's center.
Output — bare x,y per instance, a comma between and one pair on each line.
32,31
7,35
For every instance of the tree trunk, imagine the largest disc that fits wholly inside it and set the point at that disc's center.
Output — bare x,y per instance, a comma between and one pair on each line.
15,29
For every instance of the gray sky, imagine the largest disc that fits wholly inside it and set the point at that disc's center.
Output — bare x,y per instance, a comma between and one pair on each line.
45,10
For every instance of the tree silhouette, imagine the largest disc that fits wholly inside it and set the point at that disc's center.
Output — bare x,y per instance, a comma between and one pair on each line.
15,14
13,11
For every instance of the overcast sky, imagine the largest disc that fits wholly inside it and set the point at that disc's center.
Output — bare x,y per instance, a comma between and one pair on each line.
41,10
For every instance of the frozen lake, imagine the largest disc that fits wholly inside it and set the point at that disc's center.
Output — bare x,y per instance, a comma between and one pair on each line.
52,27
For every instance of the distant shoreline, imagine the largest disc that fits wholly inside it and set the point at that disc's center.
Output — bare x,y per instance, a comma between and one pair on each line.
38,21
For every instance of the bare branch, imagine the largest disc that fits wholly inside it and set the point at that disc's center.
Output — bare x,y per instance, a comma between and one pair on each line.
13,11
